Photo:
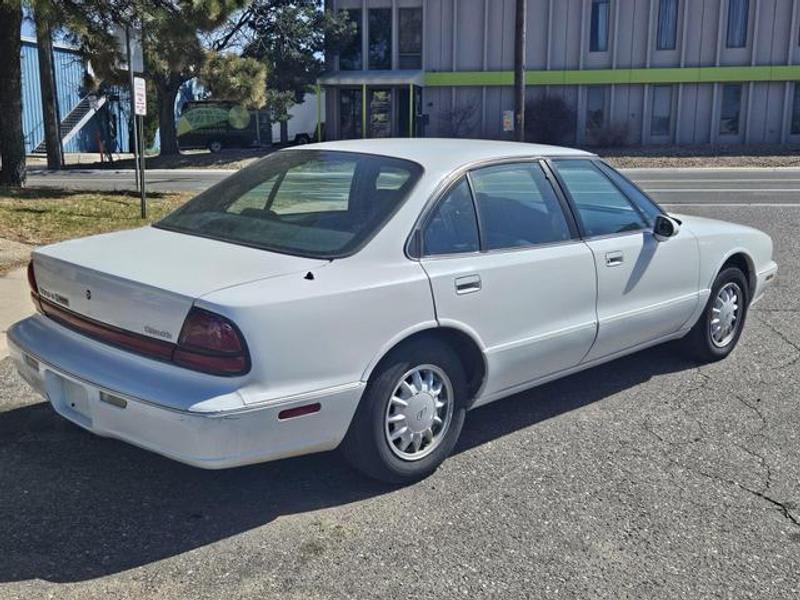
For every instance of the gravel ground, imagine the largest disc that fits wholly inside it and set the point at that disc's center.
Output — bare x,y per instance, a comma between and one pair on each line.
645,478
751,155
766,155
12,255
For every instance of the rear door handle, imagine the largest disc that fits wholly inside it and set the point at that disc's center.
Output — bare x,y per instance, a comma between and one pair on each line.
468,284
614,259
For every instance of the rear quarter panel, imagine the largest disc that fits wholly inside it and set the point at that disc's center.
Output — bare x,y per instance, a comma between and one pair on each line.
306,335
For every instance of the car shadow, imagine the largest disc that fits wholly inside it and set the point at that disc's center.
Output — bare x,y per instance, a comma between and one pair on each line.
74,506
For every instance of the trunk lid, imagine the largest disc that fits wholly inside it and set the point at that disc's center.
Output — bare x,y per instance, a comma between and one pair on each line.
146,280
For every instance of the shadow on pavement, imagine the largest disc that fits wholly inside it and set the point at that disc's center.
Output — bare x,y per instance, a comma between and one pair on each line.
74,506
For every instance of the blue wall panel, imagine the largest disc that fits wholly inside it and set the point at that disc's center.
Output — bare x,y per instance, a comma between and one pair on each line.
69,70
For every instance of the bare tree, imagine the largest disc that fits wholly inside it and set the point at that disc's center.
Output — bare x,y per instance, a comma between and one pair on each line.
458,121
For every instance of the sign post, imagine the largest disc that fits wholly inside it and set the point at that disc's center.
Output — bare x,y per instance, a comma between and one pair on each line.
135,133
140,111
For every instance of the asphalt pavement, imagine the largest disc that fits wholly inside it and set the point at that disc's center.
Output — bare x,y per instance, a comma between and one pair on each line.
650,477
674,186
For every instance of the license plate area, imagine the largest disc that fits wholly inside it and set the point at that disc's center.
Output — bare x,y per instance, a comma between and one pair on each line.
69,398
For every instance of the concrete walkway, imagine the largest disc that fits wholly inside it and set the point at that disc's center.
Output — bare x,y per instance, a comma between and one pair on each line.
15,304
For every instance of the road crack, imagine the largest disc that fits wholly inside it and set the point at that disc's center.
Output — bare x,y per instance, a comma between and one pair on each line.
784,507
786,339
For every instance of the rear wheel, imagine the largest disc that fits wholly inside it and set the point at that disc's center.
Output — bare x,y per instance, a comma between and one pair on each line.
411,414
718,329
215,146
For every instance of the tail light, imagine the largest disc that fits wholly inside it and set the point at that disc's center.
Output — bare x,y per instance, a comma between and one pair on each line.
32,278
211,343
34,287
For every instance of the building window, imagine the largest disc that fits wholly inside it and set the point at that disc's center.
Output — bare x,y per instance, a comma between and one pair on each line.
598,35
660,120
731,109
595,107
738,11
380,38
410,42
667,25
796,110
350,57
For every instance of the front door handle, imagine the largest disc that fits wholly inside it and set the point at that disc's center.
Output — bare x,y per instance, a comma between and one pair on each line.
468,284
614,259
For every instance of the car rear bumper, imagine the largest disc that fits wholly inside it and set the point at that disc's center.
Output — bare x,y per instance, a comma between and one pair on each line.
79,391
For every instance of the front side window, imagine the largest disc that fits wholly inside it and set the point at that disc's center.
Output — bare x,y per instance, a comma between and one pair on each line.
314,203
410,42
646,206
667,35
660,121
517,207
731,109
796,110
602,208
737,23
380,38
453,226
350,58
595,107
598,32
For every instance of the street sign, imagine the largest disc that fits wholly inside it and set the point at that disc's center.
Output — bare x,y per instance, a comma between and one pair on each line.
508,120
139,97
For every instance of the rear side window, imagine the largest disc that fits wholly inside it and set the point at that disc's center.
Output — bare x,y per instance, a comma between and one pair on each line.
518,207
453,227
602,208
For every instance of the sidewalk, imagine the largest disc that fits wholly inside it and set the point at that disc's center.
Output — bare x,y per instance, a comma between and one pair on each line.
15,303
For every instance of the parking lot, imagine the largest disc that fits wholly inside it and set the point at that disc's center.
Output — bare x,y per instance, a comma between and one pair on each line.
643,478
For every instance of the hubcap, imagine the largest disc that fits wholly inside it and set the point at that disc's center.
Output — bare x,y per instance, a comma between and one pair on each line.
725,315
418,413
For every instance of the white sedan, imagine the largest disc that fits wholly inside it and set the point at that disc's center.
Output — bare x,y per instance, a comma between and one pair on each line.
367,294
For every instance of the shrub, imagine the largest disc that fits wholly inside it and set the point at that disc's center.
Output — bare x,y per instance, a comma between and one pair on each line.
615,134
549,120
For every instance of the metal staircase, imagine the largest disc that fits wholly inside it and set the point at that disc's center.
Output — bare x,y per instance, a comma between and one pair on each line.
75,120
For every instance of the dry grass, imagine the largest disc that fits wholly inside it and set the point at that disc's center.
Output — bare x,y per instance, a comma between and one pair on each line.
42,216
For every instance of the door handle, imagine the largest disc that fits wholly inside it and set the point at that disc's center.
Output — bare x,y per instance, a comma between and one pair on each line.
614,259
468,284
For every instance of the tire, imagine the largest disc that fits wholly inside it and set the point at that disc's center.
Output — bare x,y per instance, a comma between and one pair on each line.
367,445
215,146
700,343
302,139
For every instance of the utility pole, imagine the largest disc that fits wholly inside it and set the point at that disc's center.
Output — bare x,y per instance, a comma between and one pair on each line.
519,71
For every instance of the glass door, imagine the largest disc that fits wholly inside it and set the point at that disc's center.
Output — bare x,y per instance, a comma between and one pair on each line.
350,113
405,109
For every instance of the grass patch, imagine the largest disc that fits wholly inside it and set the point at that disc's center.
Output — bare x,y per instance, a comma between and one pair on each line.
43,216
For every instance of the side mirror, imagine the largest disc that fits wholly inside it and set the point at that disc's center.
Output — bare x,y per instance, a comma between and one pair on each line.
665,228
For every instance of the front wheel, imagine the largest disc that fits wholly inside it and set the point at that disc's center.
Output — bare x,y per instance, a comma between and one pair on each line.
718,329
411,414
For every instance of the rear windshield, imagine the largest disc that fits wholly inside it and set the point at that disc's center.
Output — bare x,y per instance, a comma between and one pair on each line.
315,203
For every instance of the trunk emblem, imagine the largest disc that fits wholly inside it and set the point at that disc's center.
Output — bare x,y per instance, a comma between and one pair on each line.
88,294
